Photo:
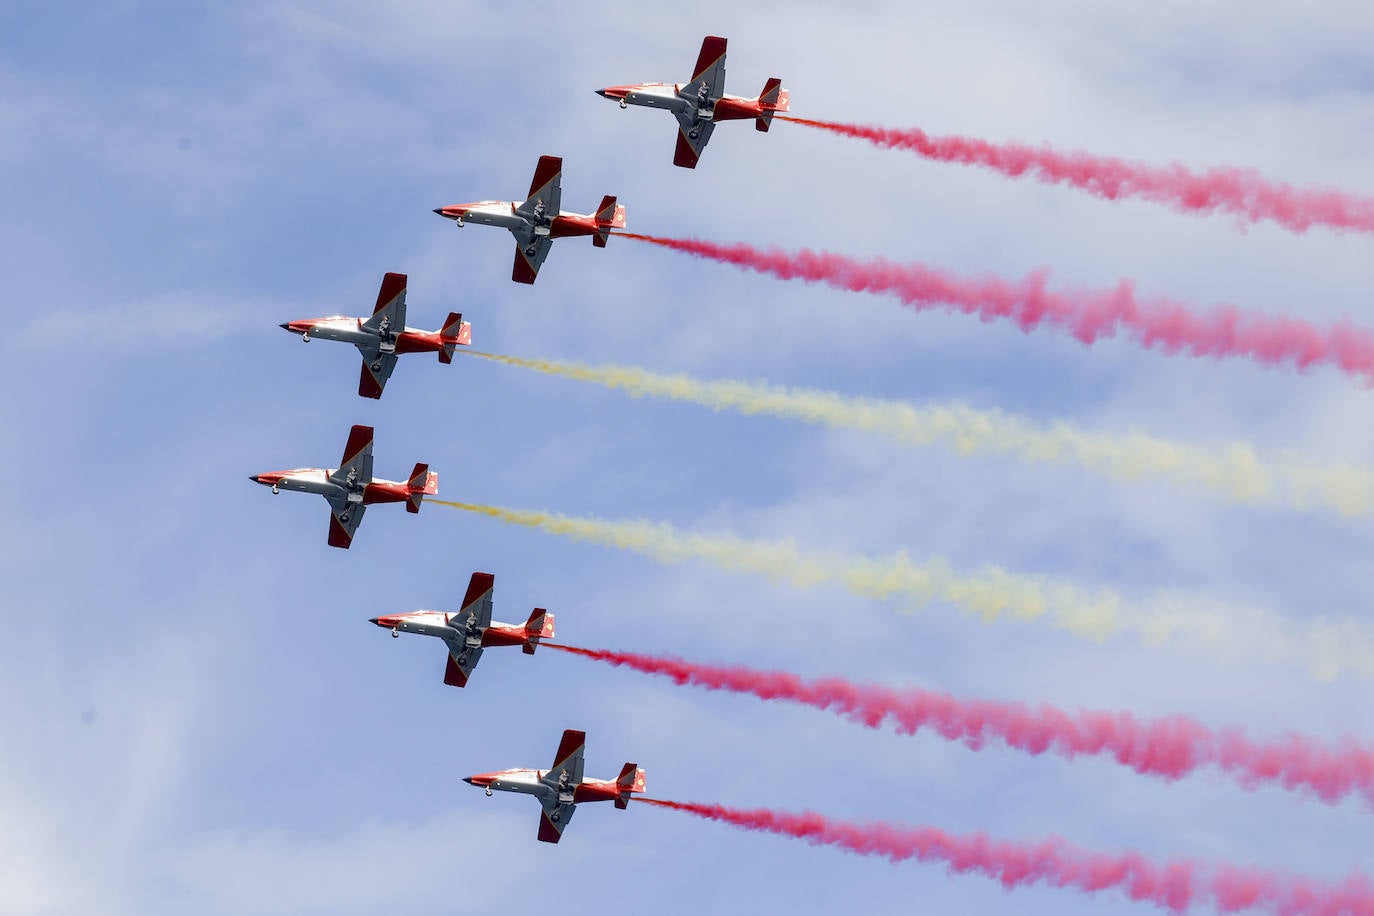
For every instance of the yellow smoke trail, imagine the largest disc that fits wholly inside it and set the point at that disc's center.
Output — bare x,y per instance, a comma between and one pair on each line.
990,594
1235,470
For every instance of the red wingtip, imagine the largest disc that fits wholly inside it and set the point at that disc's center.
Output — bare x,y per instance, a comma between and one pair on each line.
712,50
453,675
547,170
393,285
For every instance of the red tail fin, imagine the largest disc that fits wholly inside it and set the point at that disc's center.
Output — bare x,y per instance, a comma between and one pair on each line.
773,98
630,780
423,482
609,215
455,332
539,626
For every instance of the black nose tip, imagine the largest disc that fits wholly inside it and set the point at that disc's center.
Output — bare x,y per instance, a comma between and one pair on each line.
285,326
600,92
467,779
372,620
439,210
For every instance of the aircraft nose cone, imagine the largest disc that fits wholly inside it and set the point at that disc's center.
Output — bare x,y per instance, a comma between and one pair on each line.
600,92
439,210
285,325
255,478
468,780
373,620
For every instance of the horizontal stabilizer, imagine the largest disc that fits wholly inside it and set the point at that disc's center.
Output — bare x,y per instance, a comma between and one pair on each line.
423,482
455,332
539,626
609,215
772,99
630,780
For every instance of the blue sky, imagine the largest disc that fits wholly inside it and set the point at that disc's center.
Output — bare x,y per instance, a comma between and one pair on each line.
196,715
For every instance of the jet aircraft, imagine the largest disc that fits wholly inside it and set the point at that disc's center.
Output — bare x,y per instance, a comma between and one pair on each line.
384,336
350,489
471,630
699,104
561,789
538,221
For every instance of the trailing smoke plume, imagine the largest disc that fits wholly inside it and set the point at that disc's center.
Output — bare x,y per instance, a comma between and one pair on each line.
1235,471
1174,885
990,594
1239,192
1162,324
1170,748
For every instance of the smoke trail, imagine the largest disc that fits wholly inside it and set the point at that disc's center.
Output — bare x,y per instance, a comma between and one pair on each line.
1174,885
1236,471
1170,748
1164,324
1241,192
989,594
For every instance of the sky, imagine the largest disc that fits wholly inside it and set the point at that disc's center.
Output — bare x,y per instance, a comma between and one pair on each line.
195,714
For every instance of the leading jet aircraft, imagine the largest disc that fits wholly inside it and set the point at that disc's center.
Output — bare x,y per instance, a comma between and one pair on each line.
562,788
384,336
537,221
699,104
349,489
471,630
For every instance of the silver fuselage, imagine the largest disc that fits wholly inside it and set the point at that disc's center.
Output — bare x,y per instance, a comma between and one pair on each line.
436,623
316,480
351,330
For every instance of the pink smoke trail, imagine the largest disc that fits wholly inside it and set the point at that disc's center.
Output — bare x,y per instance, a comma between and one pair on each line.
1174,885
1238,191
1163,324
1169,748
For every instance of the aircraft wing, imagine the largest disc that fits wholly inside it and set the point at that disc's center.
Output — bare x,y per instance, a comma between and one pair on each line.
343,522
569,759
546,190
708,79
476,609
356,467
377,368
688,147
553,819
529,257
461,660
391,305
473,617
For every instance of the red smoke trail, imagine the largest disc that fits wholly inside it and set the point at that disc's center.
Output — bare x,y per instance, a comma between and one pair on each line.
1241,192
1170,748
1224,331
1174,885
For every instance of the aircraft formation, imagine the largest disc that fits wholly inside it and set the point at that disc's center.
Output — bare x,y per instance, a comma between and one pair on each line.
383,337
1169,749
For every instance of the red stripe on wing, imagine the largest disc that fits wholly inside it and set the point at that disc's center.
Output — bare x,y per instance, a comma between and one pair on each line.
338,535
478,585
712,50
393,285
546,171
368,386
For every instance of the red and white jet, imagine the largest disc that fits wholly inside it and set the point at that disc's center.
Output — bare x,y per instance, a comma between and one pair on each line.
561,788
538,221
349,489
471,630
384,336
699,104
